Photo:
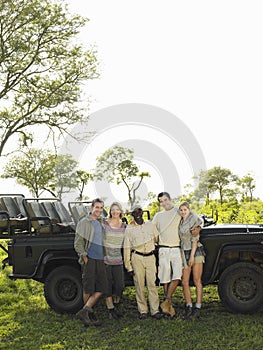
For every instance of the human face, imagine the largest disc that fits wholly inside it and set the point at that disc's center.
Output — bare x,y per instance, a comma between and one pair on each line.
97,210
165,202
137,215
115,212
184,211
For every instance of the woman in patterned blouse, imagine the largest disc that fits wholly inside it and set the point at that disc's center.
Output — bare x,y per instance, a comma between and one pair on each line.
113,243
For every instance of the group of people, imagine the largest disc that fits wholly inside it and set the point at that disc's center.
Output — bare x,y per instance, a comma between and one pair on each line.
99,243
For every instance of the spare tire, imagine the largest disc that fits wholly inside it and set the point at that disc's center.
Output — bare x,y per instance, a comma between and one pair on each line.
240,288
63,289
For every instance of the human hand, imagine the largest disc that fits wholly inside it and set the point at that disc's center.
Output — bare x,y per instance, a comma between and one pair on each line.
85,259
195,231
191,261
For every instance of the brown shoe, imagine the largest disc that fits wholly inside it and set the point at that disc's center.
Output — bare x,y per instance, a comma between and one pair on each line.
83,316
165,306
87,317
172,311
93,318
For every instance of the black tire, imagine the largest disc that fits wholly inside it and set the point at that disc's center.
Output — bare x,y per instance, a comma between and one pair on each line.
240,288
63,290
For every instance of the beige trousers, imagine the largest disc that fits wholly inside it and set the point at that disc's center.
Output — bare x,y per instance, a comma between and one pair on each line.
144,268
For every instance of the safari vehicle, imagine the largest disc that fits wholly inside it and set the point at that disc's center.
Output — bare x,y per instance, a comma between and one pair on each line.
41,248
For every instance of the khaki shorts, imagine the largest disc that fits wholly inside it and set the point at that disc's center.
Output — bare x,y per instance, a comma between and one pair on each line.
199,259
170,264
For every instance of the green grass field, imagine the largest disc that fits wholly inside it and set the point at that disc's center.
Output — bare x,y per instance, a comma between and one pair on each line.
27,322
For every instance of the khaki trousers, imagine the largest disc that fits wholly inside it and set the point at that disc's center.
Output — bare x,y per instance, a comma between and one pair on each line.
144,268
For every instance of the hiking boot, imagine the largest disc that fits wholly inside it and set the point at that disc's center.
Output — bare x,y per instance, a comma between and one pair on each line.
165,306
157,315
117,308
196,313
83,316
172,311
112,314
187,312
93,318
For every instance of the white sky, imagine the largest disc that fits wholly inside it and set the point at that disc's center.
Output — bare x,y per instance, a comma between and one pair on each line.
200,60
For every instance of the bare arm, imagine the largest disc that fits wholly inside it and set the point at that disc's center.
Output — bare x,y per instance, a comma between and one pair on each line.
192,255
127,252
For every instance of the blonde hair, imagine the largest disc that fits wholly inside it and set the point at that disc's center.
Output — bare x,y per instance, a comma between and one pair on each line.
117,204
184,204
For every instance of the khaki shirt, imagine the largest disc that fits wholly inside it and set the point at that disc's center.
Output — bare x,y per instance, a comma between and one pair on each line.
140,238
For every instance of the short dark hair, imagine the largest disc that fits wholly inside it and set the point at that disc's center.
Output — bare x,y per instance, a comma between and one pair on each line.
161,194
96,200
136,210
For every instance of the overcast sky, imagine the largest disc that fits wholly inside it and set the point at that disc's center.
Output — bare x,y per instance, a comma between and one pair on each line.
199,60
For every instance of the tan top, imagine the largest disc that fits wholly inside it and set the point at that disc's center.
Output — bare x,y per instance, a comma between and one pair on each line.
167,223
140,238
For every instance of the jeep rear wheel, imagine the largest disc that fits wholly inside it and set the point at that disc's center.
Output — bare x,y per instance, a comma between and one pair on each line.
63,290
240,288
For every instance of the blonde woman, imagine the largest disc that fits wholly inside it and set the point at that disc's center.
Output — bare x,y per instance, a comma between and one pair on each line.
193,258
113,242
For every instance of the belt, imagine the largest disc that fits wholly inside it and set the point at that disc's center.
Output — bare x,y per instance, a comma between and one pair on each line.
167,246
143,254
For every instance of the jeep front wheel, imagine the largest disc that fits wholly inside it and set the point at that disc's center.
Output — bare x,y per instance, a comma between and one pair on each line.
240,288
63,289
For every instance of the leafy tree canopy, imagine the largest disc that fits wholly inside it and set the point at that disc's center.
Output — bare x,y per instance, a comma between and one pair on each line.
116,164
42,68
40,170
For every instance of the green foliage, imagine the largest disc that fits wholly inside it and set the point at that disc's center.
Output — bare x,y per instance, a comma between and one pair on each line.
250,213
41,68
214,180
109,163
248,186
40,170
236,203
26,322
83,177
229,212
64,177
116,164
33,169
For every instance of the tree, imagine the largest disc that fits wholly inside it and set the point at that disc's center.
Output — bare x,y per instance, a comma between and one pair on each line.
33,169
64,176
203,190
214,180
116,164
41,69
219,180
247,183
83,177
40,170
